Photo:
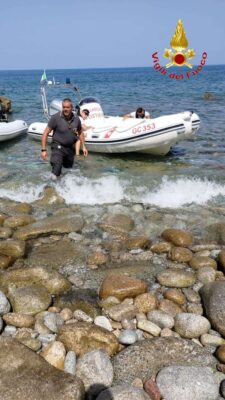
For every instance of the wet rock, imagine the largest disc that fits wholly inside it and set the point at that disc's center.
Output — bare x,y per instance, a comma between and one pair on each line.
38,378
161,318
138,242
83,337
216,232
12,248
177,237
19,220
51,225
30,299
213,296
161,247
146,358
123,392
56,254
121,286
191,325
5,262
97,258
13,207
51,280
187,383
200,262
19,320
180,254
55,354
80,299
146,302
96,372
5,233
117,223
175,295
176,278
49,196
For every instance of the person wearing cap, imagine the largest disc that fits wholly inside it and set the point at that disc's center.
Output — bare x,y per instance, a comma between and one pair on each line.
67,130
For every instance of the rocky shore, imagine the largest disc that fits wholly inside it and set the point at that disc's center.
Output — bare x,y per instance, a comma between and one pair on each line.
102,303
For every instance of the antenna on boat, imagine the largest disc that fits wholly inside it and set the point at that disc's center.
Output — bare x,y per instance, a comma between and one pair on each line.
44,102
76,89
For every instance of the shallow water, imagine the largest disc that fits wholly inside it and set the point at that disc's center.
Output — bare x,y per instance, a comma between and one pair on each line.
190,180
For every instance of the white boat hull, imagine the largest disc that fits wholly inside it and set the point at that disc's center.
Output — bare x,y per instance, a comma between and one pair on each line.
11,130
119,135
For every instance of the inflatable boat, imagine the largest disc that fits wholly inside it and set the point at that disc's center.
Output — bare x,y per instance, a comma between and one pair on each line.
109,134
11,130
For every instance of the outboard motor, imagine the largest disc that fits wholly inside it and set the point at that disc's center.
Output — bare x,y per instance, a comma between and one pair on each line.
93,106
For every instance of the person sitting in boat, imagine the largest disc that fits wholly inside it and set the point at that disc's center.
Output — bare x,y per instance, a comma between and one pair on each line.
3,115
83,115
139,113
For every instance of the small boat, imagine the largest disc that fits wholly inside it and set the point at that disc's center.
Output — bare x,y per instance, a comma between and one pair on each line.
11,130
110,134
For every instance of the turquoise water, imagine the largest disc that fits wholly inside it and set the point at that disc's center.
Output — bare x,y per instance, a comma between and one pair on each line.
192,174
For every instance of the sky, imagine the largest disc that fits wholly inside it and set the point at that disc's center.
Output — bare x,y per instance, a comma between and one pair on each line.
55,34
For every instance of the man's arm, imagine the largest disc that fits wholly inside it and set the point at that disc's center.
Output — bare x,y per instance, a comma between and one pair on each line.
82,140
44,139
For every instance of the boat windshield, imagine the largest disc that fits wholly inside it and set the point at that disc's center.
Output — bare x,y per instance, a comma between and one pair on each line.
88,100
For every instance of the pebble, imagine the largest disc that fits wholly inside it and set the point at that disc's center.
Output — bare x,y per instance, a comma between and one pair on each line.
128,336
122,311
4,304
70,363
211,340
206,275
47,338
10,330
104,322
175,295
66,314
149,327
176,278
129,323
145,302
192,295
220,353
82,316
53,321
161,319
191,325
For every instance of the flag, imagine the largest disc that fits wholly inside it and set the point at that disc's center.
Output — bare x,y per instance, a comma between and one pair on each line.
44,78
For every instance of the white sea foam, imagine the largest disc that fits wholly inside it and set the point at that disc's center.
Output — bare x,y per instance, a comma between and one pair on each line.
169,193
183,191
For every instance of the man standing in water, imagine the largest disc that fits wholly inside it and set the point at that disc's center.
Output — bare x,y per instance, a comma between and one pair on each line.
67,131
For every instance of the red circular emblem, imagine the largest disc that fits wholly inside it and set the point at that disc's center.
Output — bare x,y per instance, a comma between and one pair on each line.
179,58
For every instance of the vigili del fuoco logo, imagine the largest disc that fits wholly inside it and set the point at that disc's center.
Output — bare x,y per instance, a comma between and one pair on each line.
179,55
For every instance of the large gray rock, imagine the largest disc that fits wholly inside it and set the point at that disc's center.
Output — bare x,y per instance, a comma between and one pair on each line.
190,325
13,248
146,358
20,277
29,300
123,392
26,375
51,225
213,296
187,383
96,371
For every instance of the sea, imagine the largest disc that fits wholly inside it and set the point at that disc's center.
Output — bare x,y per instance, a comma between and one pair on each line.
188,183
